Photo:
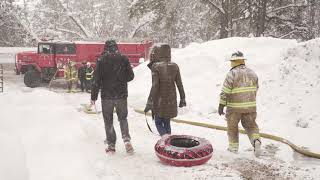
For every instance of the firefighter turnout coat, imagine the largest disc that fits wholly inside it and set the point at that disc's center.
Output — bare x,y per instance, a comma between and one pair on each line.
239,90
70,73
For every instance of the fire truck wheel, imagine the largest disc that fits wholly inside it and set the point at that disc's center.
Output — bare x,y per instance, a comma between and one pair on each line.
32,79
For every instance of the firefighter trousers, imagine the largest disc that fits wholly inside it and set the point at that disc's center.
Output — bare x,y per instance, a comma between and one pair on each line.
71,85
248,121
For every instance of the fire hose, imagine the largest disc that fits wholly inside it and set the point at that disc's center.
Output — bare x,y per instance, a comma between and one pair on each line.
296,148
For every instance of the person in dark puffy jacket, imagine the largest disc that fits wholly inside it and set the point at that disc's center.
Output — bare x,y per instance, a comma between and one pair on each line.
162,100
112,74
89,76
82,76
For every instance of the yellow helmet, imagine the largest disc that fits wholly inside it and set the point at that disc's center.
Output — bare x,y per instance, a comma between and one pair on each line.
237,56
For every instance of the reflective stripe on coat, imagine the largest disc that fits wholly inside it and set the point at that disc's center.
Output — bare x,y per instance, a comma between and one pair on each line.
89,73
70,73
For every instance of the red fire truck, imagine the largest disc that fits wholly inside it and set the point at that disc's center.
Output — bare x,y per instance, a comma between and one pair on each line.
51,57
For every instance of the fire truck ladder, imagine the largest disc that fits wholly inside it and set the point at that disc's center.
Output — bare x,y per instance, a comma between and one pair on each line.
1,78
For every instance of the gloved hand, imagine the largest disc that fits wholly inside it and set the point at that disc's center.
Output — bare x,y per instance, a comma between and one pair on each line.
182,103
147,108
220,110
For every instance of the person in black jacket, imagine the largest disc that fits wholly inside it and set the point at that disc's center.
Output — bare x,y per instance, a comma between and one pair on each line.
113,72
89,76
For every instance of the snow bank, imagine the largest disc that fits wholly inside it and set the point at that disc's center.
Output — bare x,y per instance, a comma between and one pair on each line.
7,54
204,66
288,77
300,75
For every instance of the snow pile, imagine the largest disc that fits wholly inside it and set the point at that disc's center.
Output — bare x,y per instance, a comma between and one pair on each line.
204,66
300,75
288,77
7,54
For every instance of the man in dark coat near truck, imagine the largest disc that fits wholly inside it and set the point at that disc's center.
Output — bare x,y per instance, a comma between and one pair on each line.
82,76
162,100
113,72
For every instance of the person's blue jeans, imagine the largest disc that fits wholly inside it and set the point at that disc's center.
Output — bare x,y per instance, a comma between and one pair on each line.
163,125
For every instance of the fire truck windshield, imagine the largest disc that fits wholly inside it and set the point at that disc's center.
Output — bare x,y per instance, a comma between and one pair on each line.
45,49
65,49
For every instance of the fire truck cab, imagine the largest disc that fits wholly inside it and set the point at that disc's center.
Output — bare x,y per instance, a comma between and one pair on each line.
51,57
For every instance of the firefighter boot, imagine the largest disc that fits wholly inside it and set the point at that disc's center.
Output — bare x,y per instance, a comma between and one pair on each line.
233,147
257,147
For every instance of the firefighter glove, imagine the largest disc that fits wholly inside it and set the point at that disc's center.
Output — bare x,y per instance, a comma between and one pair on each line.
220,110
148,108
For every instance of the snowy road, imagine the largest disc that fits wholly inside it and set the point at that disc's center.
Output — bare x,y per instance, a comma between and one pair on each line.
50,139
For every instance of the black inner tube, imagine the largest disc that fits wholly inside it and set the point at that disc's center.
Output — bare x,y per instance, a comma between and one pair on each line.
184,142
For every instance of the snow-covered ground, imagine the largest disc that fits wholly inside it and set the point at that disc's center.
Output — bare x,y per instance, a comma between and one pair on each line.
44,136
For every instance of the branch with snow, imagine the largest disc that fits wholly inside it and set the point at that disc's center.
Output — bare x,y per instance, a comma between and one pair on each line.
285,7
146,19
75,20
283,36
27,28
70,31
137,29
215,6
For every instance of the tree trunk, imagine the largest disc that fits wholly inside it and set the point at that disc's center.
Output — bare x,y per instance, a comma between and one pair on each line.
317,21
225,19
311,23
262,13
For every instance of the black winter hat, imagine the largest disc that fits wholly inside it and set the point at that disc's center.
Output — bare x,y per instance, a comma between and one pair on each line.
165,51
111,47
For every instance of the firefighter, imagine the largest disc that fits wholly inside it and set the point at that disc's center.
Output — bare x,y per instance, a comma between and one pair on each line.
82,76
162,100
239,96
89,76
71,74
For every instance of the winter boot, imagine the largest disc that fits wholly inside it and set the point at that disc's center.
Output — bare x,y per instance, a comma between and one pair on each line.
129,147
257,147
110,149
235,151
73,90
233,147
